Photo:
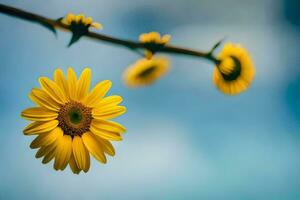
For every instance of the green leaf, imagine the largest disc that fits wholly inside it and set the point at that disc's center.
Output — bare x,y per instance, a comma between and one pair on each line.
216,45
50,27
75,38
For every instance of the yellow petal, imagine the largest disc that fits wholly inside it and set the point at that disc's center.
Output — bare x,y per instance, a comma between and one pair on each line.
106,145
93,146
88,21
40,127
83,84
51,150
45,139
41,152
39,114
79,18
97,93
73,165
108,125
108,113
48,156
44,150
63,152
96,25
165,39
41,98
108,135
61,81
72,83
81,154
70,17
109,101
52,89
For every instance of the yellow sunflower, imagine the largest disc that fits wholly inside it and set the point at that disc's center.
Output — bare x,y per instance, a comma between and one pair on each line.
145,71
154,38
80,20
71,122
235,72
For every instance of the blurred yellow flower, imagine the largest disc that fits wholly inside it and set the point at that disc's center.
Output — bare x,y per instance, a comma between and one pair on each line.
80,20
72,122
145,71
154,37
235,71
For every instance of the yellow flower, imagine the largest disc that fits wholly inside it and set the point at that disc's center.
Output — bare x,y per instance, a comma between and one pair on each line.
145,71
235,71
80,20
154,37
72,122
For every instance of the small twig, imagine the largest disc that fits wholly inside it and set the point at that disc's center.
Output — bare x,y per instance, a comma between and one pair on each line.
52,24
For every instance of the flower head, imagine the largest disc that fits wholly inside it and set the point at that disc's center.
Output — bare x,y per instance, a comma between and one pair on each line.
145,71
79,25
80,21
71,122
235,71
154,37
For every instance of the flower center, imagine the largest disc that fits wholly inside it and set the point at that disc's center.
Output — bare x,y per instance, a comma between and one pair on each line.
79,28
147,72
230,68
74,118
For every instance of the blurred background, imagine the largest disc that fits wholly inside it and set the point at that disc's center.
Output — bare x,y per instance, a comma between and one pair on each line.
185,139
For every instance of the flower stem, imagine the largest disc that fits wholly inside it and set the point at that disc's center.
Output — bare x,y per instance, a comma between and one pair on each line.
52,24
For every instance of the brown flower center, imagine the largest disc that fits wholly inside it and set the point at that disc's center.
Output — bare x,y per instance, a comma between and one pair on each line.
147,72
74,118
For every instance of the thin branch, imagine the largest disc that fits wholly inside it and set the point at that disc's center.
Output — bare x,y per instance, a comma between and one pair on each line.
51,24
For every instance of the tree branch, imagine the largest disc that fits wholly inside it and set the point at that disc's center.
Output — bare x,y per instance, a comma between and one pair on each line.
51,24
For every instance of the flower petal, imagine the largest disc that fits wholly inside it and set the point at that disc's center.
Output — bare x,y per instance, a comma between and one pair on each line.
39,114
63,152
41,98
109,112
70,17
81,154
97,93
45,139
73,165
79,18
165,39
93,146
72,83
49,156
51,151
83,84
44,150
96,25
40,127
62,82
87,21
107,130
108,125
108,135
53,90
41,152
109,101
106,145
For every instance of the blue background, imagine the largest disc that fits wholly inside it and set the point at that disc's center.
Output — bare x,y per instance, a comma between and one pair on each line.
185,139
